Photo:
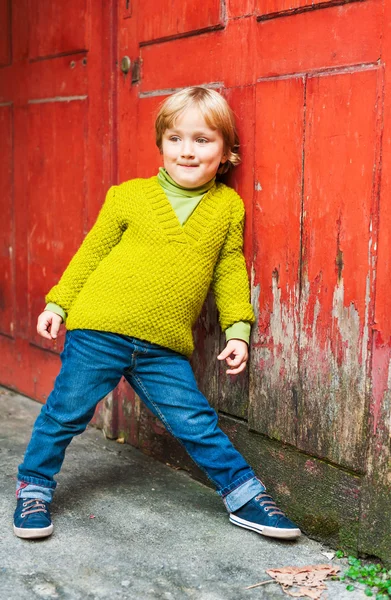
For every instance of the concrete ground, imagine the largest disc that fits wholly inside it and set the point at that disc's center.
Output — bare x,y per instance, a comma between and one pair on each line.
128,527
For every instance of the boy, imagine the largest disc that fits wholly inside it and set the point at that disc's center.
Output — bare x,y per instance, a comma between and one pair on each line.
130,297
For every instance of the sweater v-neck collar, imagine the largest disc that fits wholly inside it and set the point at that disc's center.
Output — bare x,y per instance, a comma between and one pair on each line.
195,225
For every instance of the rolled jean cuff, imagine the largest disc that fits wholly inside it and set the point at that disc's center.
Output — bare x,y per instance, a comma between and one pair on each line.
31,490
37,481
243,494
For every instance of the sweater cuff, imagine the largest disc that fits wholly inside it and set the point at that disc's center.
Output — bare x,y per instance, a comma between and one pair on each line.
239,331
56,309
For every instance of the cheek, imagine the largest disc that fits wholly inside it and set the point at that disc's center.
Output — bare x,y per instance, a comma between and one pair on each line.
167,153
212,156
216,154
216,158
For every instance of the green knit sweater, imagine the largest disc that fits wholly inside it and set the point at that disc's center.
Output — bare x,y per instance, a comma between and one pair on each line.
140,273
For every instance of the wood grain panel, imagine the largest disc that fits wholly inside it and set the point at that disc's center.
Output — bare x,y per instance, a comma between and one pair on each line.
57,27
336,295
175,18
383,277
204,361
275,7
7,242
240,8
56,196
234,390
274,384
58,188
375,505
5,29
339,36
219,56
148,157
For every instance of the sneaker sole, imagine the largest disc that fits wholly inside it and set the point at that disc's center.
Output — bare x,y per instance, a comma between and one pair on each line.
33,533
284,534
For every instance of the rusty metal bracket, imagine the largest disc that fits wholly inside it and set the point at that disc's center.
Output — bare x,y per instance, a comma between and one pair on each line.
136,71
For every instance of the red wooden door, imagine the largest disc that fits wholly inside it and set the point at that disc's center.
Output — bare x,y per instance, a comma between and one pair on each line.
56,92
307,82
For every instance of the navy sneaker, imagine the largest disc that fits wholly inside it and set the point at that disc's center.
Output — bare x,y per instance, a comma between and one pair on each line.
32,518
261,514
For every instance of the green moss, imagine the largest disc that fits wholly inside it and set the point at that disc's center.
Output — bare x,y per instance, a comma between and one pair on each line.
375,577
320,525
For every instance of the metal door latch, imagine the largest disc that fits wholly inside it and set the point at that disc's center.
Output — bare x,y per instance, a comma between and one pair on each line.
126,64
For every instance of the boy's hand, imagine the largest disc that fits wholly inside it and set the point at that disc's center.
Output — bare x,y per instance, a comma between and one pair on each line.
48,324
236,356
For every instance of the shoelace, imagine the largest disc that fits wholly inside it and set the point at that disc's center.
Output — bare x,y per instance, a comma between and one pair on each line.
32,506
268,503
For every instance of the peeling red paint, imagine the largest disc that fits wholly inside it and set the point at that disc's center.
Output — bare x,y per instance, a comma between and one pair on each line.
381,360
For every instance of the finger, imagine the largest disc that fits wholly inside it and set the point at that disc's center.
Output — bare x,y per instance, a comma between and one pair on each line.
232,362
43,327
42,331
54,328
226,352
238,369
235,362
55,325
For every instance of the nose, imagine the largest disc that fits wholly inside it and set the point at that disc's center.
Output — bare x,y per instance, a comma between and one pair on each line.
187,149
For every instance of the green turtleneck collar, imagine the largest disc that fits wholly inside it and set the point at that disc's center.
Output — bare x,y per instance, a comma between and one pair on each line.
169,185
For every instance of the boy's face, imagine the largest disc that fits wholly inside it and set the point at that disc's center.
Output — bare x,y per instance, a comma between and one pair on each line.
192,151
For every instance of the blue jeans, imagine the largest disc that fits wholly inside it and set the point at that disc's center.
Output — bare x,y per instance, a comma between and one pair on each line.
93,363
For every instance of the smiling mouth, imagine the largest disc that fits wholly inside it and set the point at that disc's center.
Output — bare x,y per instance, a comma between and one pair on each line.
188,166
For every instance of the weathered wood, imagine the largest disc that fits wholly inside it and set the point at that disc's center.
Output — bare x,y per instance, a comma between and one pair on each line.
274,377
52,28
268,8
52,177
7,242
174,18
204,360
321,497
375,518
336,303
5,39
56,94
334,37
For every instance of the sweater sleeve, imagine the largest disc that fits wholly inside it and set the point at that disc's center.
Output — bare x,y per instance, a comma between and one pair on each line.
104,235
239,331
56,309
230,280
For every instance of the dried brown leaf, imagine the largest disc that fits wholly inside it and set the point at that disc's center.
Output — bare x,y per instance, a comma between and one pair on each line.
314,594
309,579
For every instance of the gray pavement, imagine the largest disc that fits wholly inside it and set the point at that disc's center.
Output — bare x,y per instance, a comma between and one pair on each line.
128,527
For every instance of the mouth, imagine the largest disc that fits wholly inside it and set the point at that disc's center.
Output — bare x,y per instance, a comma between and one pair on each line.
188,166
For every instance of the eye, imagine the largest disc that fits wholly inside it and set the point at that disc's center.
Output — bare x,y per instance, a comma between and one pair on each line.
202,141
174,138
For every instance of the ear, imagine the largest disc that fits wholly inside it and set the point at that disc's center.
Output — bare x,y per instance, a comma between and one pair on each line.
224,159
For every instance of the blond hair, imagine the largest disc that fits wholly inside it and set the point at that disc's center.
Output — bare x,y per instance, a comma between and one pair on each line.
216,112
